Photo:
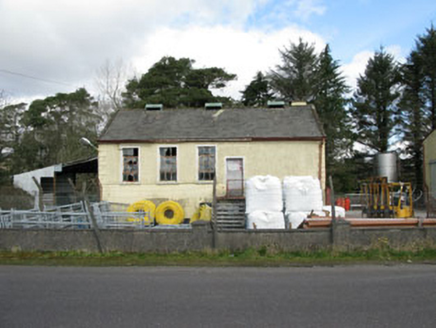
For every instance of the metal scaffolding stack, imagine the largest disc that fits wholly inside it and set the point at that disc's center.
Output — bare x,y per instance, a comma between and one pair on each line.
77,216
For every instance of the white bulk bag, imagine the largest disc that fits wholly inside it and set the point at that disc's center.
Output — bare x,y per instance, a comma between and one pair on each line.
265,220
295,219
263,193
302,194
339,211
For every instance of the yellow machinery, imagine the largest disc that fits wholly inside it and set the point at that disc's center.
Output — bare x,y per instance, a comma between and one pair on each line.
381,198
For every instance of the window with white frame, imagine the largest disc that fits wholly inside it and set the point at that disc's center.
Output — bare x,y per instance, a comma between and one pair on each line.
168,163
206,163
130,165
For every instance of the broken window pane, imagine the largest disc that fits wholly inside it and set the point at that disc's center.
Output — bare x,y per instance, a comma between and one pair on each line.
130,165
168,163
206,163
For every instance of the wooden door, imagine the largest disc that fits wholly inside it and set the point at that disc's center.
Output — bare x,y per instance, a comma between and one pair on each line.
235,177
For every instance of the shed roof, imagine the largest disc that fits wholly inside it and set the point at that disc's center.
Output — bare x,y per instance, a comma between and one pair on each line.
140,125
428,136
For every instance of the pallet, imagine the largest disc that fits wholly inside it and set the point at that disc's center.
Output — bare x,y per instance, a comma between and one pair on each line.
230,214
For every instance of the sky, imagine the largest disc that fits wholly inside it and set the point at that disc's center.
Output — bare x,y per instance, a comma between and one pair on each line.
51,46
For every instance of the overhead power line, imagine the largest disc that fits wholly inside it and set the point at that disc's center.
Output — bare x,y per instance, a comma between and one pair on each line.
34,77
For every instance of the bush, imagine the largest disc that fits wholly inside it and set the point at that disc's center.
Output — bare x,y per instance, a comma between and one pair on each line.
16,198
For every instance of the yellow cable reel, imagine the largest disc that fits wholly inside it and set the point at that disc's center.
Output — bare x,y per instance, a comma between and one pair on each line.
196,215
170,212
143,206
203,213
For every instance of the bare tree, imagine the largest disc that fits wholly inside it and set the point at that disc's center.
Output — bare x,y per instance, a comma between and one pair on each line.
4,99
4,102
110,80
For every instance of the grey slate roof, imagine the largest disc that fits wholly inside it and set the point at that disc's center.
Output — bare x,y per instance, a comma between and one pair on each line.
228,124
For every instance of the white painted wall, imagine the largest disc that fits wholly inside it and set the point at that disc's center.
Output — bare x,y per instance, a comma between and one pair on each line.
25,181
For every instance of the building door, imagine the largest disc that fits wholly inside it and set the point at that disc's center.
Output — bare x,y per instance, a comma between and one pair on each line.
48,191
235,177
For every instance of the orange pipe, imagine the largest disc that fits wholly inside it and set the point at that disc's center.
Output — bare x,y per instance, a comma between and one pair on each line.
382,222
429,222
326,222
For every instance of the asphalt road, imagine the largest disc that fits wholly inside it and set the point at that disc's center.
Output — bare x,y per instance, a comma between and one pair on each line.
341,296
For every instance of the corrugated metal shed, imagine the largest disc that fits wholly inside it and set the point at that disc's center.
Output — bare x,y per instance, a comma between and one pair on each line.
54,180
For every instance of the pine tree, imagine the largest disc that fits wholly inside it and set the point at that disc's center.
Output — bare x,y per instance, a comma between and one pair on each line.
316,79
53,127
329,100
295,78
375,102
258,92
175,83
10,133
426,53
418,102
414,119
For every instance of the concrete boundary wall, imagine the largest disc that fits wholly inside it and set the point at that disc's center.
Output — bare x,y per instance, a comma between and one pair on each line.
200,237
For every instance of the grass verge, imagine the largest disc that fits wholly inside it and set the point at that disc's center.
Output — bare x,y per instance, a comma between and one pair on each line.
251,257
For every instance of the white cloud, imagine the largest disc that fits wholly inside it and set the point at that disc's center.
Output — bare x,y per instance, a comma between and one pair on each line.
397,52
307,8
238,51
67,41
272,14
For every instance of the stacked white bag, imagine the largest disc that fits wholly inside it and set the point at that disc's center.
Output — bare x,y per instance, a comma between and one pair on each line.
264,203
265,220
302,194
339,211
263,193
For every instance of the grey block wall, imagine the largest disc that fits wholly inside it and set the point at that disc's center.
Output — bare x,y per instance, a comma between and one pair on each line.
340,237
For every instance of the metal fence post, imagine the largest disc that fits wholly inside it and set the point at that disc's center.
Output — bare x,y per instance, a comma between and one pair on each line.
332,201
93,225
214,215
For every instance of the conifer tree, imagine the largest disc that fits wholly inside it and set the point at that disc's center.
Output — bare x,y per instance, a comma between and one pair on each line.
375,103
316,79
53,127
258,92
418,102
330,101
426,53
414,119
175,83
295,78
